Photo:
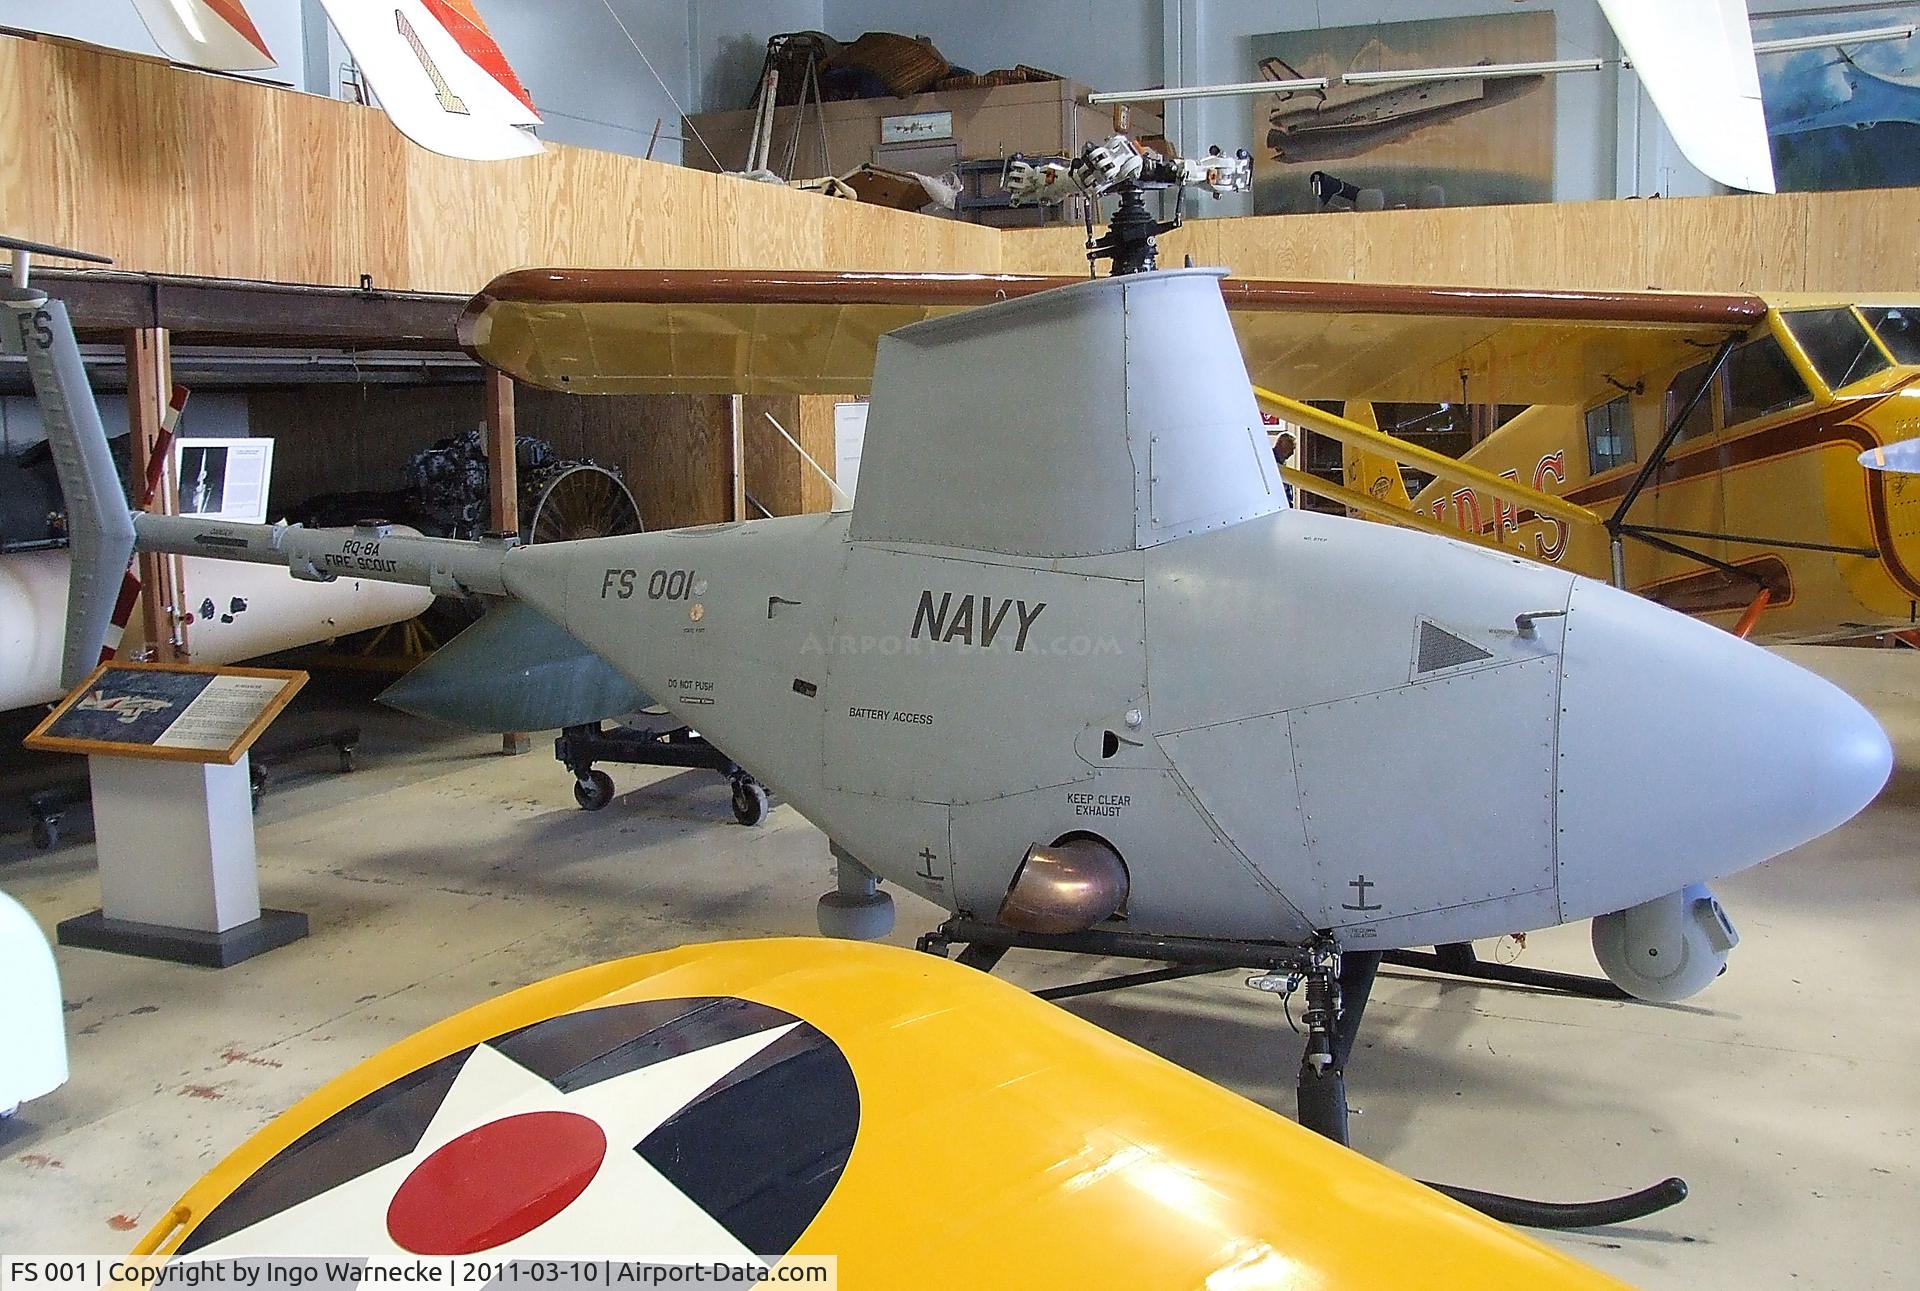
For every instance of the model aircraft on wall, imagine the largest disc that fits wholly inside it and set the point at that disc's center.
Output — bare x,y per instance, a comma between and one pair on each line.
435,67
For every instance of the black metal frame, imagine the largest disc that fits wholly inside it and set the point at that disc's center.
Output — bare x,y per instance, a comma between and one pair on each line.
1660,536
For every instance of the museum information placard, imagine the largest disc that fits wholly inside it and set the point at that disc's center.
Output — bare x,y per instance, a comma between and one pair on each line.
180,712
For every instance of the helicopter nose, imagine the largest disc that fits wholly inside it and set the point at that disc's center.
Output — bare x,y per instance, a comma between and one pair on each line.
1686,753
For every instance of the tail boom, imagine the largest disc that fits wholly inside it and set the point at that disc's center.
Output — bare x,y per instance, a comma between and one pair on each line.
449,566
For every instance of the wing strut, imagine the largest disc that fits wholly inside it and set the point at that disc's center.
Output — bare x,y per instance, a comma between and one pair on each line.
1352,432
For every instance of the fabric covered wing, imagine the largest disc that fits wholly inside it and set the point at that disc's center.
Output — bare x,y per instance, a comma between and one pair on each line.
632,331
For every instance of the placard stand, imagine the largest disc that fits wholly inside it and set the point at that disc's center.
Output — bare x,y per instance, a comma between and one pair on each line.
173,809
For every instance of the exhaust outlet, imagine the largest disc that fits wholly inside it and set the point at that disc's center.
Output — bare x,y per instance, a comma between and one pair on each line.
1065,887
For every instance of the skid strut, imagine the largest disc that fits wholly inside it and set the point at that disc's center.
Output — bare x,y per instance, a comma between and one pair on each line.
1337,987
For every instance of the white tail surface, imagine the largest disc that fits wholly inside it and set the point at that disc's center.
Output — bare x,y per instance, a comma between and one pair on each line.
216,34
1696,59
439,76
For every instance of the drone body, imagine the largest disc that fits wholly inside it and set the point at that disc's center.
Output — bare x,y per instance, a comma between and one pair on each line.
1082,609
1072,664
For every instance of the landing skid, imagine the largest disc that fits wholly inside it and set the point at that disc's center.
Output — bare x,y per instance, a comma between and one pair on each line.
1457,959
1337,987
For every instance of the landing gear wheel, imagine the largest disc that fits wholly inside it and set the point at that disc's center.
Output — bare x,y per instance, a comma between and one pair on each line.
853,917
46,832
593,790
750,803
1322,1101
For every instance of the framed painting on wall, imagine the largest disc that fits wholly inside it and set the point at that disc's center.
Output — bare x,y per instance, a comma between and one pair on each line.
1459,141
1842,116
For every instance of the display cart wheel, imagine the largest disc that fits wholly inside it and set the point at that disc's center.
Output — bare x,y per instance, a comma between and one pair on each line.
583,502
593,790
749,801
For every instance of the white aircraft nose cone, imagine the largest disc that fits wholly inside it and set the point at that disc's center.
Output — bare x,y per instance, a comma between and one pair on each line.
1686,754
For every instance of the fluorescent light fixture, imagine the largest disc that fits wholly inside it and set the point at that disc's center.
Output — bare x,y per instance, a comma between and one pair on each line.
1830,39
1482,72
1208,91
1485,71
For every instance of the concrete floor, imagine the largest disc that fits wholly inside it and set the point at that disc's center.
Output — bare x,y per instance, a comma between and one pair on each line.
441,873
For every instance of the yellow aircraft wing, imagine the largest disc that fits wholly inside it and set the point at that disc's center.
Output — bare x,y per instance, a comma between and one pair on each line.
634,331
1373,342
921,1123
720,331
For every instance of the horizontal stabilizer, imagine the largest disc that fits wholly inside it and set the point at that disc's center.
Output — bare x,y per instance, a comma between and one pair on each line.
514,670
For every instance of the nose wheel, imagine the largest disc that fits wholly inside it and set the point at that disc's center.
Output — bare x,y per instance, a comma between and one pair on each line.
1337,987
750,802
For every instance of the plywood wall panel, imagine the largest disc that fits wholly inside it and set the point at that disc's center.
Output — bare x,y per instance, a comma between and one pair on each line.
177,172
1056,248
343,438
1697,246
673,450
1591,244
1865,241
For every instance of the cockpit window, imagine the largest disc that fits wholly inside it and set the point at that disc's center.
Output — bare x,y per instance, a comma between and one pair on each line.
1760,380
1898,329
1841,349
1609,435
1700,421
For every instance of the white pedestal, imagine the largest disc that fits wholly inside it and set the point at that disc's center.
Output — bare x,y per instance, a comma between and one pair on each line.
176,842
178,877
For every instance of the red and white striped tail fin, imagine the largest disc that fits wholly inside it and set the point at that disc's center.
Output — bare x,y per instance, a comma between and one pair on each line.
216,34
439,75
156,471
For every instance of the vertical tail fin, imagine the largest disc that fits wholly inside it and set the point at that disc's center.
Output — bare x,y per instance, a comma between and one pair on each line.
1374,474
99,525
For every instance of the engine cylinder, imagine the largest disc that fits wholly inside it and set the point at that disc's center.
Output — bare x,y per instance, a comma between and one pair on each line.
1668,948
1067,886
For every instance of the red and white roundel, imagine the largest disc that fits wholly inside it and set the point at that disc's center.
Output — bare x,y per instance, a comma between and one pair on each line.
675,1131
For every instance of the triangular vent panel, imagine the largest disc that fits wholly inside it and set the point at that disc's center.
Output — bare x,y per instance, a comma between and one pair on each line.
1441,649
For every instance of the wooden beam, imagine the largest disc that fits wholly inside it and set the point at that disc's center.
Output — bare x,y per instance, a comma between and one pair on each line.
503,462
737,454
149,386
206,311
503,490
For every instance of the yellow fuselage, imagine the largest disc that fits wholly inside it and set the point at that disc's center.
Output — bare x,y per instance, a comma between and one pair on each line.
1755,483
